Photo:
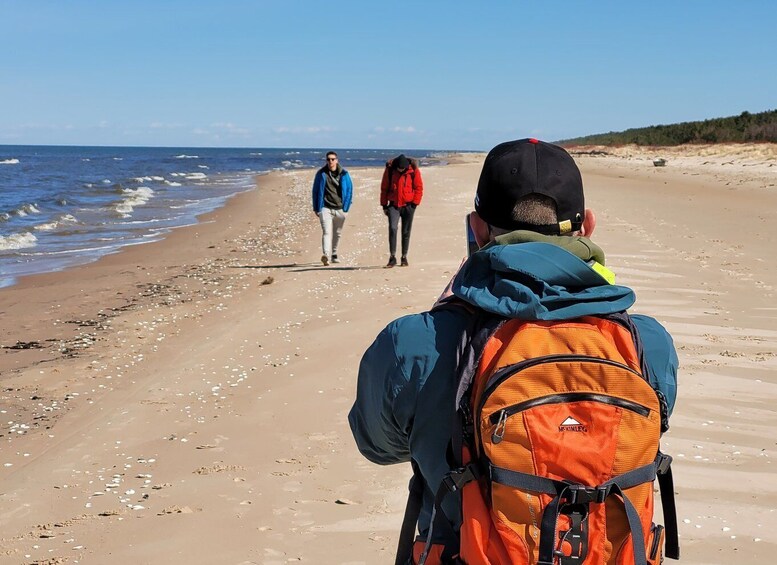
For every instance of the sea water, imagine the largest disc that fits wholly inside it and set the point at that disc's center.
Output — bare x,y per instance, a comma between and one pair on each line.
63,206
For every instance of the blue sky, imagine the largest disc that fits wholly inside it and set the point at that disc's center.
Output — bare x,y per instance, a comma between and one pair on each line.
415,75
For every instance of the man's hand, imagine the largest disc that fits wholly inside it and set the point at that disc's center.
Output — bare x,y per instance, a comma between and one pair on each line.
386,210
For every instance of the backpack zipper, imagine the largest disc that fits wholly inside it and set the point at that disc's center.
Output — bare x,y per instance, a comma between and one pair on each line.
509,370
563,397
504,373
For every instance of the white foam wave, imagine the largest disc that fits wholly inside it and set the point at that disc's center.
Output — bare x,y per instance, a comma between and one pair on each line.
63,220
26,210
148,179
203,167
106,181
196,176
133,198
172,183
118,158
18,241
9,162
255,154
183,156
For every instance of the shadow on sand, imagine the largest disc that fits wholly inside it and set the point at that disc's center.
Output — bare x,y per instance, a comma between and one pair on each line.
305,267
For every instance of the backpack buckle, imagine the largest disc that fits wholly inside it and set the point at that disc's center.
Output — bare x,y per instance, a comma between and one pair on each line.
663,463
457,478
581,494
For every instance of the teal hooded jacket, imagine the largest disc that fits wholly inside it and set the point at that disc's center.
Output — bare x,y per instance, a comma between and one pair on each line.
405,400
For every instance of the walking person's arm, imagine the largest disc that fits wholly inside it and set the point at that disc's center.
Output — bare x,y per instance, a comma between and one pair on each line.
418,187
384,186
317,193
347,186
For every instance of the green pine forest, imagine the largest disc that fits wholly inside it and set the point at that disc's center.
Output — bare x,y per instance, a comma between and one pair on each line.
744,128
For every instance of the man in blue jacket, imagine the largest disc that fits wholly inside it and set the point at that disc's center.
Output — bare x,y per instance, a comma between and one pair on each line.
535,262
332,194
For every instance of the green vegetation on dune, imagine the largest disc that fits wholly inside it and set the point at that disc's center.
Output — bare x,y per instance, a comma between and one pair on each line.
743,128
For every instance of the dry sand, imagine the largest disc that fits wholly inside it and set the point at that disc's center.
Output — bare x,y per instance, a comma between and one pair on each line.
185,401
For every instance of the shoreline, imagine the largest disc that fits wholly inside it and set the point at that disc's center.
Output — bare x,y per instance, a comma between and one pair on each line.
192,405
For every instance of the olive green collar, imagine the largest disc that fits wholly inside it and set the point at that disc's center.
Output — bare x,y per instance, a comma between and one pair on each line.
579,246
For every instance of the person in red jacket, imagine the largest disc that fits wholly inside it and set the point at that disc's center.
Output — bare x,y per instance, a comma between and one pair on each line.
401,191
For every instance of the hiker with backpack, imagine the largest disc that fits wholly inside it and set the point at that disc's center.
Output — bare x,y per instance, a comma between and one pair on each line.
401,190
332,194
528,402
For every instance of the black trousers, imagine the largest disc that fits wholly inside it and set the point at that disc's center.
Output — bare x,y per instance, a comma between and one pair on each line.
394,214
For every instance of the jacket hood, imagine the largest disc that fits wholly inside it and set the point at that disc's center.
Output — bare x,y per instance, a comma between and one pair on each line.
537,280
413,163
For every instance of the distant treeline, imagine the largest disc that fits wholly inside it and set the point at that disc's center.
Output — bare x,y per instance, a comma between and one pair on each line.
745,127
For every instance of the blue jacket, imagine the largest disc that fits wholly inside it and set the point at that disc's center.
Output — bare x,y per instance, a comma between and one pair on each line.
319,187
407,378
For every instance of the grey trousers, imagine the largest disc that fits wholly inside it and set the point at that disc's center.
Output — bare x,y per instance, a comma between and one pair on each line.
332,222
394,214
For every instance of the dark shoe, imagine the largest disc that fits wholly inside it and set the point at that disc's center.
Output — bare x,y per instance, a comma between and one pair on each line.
324,260
335,259
392,262
404,262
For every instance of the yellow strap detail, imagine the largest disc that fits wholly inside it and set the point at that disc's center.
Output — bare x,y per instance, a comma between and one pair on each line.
603,272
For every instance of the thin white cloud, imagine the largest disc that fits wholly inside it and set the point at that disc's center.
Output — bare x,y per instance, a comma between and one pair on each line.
231,128
303,129
165,125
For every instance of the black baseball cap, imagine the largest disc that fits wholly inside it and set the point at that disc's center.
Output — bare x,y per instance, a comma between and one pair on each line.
515,169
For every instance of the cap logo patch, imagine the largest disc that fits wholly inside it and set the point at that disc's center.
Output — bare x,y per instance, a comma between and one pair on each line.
565,226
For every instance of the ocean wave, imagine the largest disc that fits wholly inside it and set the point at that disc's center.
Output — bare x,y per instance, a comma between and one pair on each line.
203,167
26,210
148,179
4,216
9,162
63,220
196,176
172,183
295,164
17,241
183,156
257,154
133,198
76,251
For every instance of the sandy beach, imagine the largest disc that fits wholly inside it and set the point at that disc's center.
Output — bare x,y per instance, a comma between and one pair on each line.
186,401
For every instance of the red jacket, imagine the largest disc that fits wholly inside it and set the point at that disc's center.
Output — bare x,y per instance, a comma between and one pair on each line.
401,189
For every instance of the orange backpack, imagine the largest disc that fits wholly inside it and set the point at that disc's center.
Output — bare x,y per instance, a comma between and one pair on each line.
555,450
